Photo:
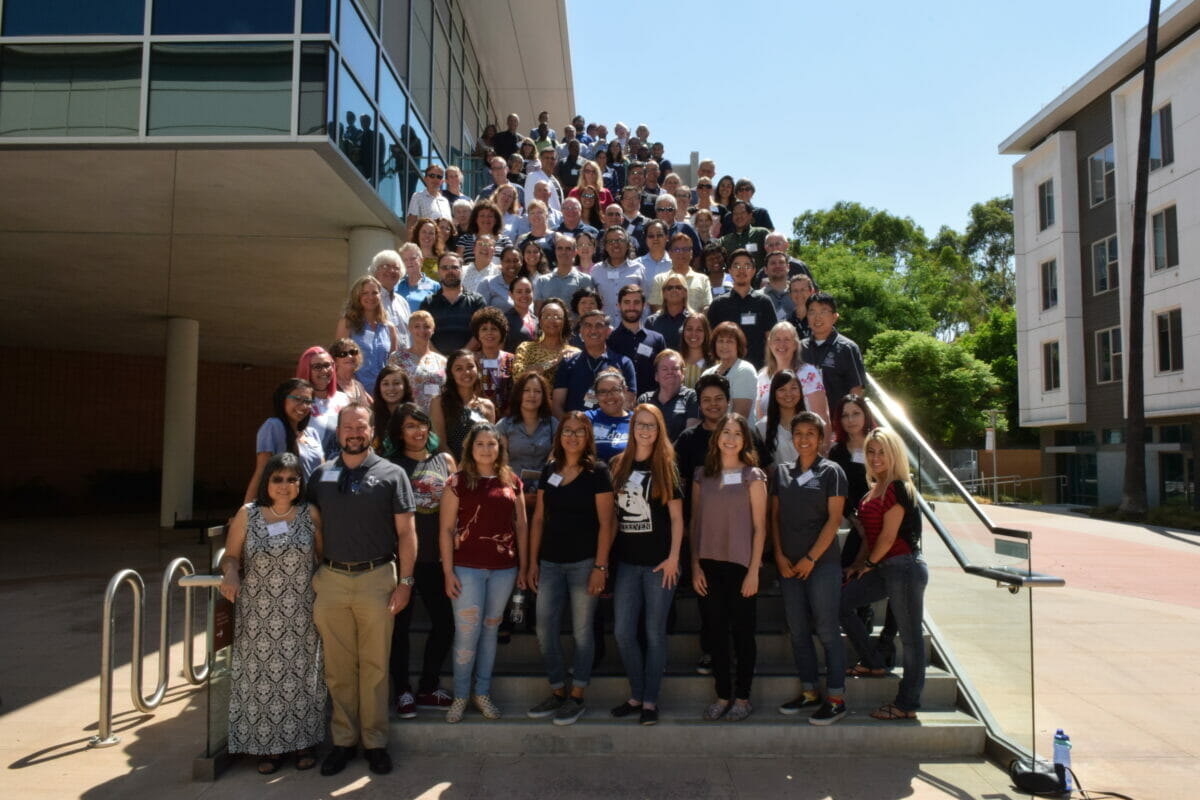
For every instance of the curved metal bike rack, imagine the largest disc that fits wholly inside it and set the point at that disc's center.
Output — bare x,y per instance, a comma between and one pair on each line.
105,737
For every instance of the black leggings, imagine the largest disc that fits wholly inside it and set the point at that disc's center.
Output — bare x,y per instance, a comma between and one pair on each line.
431,585
724,611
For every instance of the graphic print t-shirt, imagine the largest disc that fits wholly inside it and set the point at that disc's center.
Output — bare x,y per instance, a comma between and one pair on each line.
643,521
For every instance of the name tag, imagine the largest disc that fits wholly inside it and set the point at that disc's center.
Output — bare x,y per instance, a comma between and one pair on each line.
680,407
717,290
805,478
780,315
554,480
432,389
828,362
277,528
491,363
644,349
858,457
749,319
330,475
751,247
575,171
732,479
613,273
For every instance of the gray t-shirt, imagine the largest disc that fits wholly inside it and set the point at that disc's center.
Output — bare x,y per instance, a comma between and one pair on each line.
358,507
804,505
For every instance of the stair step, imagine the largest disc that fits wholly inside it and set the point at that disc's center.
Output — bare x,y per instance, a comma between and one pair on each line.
681,732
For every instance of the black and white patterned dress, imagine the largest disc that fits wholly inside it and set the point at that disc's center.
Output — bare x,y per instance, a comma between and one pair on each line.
277,695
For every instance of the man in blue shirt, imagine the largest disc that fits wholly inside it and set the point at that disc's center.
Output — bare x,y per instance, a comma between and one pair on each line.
576,374
636,343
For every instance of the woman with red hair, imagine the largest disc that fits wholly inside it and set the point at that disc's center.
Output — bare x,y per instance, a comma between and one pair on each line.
316,366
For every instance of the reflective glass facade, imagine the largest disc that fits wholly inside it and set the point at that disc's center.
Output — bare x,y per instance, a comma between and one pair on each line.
393,83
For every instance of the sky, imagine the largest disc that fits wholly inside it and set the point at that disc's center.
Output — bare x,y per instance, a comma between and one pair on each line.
897,106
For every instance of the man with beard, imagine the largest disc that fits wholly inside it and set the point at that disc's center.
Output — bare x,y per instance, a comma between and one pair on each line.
633,341
451,306
366,506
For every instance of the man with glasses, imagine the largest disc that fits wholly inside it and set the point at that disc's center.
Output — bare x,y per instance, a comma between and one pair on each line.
387,269
838,358
666,209
565,280
572,219
576,374
706,173
744,190
632,219
429,202
699,291
745,235
619,268
545,172
451,306
632,340
751,311
499,169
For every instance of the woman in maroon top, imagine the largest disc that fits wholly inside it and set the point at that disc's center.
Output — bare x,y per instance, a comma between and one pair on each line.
889,564
483,547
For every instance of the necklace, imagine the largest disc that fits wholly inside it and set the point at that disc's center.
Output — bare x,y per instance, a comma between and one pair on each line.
277,515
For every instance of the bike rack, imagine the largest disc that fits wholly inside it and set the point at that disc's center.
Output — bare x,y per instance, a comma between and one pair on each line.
194,676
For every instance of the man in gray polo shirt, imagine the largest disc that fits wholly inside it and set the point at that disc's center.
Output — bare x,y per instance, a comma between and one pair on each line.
366,507
566,279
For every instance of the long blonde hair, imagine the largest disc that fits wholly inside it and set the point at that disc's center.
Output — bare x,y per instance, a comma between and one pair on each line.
354,312
797,359
897,455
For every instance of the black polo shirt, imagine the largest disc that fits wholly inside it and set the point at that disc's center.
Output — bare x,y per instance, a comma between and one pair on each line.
452,321
840,362
670,328
358,507
640,348
676,411
754,314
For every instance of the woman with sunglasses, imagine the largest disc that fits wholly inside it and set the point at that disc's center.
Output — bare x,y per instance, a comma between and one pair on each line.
590,177
347,358
287,430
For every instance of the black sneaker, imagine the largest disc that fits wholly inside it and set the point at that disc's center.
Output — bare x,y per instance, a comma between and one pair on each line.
378,760
570,711
625,710
704,665
337,759
547,707
799,704
828,713
649,716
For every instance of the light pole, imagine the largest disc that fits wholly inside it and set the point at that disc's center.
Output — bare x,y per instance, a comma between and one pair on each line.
990,444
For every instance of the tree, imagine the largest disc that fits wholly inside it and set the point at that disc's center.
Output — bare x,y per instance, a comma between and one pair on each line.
874,232
994,342
989,244
944,388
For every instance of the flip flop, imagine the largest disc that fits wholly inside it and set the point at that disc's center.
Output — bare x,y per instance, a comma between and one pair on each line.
890,711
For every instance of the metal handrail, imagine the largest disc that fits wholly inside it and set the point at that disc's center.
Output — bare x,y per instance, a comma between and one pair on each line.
105,736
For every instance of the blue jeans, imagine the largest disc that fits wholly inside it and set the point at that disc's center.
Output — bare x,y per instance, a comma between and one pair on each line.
558,583
475,638
809,604
902,580
638,586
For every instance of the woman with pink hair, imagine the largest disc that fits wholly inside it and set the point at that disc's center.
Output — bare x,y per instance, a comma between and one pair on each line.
317,367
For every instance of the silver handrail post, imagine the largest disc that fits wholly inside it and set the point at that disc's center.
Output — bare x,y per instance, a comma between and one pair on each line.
104,736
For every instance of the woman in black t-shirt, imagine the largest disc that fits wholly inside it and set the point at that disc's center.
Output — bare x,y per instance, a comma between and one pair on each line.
649,502
570,538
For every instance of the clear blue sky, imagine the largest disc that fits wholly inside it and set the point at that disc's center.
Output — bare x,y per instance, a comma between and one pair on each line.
899,106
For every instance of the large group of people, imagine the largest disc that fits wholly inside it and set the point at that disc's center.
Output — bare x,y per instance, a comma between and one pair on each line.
591,381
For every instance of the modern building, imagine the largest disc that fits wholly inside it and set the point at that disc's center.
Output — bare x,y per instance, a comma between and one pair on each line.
190,187
1073,210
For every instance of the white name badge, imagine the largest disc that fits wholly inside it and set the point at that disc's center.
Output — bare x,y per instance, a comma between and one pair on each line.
805,478
554,480
749,319
732,479
718,290
858,457
751,247
432,389
330,475
491,363
277,528
575,171
680,407
613,273
780,315
644,349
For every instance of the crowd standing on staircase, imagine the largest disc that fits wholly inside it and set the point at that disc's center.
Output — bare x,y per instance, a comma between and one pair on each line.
592,383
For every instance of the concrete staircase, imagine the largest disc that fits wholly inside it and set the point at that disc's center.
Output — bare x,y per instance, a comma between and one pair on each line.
519,682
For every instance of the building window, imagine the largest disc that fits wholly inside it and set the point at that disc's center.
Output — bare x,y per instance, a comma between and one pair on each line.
1169,325
1108,355
1104,265
70,89
74,18
1102,175
1112,435
1045,204
1162,138
1166,239
216,17
1050,374
1049,284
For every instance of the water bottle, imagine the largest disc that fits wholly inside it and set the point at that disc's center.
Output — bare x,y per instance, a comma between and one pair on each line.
518,615
1062,758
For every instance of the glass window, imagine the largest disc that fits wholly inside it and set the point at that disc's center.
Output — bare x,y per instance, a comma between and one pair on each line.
74,17
1049,284
356,125
395,35
1104,265
392,175
223,16
420,64
1102,174
393,103
1108,355
1162,138
441,88
456,123
1112,436
70,90
315,16
370,9
1169,325
1050,374
1045,205
315,113
227,89
419,146
1165,228
358,47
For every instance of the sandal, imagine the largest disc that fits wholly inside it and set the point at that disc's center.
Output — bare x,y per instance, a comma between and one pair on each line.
863,671
306,758
269,765
891,711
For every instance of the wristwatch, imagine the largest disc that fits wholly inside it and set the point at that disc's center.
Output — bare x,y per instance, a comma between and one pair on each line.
409,581
601,567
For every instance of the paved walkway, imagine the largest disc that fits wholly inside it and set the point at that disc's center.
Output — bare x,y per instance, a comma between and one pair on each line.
1116,653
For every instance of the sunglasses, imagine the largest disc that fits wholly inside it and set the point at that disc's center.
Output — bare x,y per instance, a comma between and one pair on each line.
345,353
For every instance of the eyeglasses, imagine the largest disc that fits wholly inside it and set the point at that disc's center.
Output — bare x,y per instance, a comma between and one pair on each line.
645,426
664,208
681,249
434,175
277,479
574,433
703,185
589,196
304,401
320,365
608,392
656,236
345,353
742,266
449,267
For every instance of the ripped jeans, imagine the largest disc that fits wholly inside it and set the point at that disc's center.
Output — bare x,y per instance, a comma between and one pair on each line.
478,611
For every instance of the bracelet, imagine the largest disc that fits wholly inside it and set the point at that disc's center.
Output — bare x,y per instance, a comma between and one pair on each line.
810,558
870,564
601,567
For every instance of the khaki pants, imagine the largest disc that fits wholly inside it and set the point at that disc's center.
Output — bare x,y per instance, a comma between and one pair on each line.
351,612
